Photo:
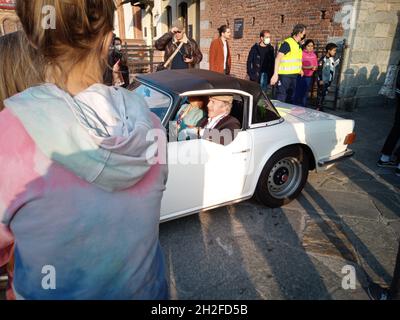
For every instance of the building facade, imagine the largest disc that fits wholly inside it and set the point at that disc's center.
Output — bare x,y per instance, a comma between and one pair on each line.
8,18
165,12
146,21
374,45
128,23
370,28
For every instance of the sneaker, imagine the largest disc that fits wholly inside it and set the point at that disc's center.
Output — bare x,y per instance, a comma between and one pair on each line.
387,164
376,292
397,172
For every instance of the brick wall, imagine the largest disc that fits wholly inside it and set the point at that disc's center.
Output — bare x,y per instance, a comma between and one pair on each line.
278,16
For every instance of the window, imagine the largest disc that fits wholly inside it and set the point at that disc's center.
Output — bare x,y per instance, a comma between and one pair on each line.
264,111
158,102
183,14
9,25
168,10
189,131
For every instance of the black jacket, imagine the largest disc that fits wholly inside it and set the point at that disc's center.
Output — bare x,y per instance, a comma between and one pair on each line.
227,124
113,57
255,62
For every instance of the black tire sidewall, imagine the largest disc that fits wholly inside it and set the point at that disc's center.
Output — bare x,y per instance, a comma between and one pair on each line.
263,195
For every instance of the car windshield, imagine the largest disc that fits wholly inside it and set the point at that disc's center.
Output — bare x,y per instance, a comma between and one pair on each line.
158,102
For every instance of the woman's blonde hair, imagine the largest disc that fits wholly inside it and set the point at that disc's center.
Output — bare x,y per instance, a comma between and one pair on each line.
21,66
76,37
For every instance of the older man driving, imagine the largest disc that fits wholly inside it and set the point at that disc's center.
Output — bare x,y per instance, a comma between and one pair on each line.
220,126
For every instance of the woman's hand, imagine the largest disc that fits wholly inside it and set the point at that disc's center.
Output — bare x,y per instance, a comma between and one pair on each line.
118,80
116,66
274,79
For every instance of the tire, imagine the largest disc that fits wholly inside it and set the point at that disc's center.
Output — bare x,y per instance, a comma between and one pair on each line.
283,177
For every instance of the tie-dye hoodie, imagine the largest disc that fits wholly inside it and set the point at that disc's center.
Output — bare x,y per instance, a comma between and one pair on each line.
80,195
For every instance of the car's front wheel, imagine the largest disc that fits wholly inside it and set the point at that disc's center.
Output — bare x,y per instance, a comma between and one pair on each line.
283,177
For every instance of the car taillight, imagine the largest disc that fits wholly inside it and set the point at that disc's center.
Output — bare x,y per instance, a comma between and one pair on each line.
350,138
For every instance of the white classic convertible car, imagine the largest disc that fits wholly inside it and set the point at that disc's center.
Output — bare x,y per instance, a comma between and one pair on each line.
270,157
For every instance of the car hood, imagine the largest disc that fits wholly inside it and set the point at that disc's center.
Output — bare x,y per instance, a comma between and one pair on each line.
292,112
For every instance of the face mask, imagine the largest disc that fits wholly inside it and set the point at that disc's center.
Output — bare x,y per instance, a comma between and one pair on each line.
118,47
267,41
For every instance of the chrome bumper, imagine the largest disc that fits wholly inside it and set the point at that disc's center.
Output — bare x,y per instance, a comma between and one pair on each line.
336,158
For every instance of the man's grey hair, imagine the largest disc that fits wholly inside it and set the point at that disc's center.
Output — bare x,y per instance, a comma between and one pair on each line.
228,106
298,28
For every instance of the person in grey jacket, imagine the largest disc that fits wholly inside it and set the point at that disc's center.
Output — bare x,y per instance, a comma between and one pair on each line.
326,73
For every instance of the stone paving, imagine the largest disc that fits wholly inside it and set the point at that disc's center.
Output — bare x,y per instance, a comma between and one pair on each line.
349,215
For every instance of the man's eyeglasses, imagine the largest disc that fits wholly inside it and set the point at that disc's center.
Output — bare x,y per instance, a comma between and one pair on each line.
178,31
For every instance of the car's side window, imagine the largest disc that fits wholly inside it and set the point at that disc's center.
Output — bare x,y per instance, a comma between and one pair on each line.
189,123
264,111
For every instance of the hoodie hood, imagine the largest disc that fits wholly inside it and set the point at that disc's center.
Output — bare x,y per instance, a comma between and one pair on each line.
99,134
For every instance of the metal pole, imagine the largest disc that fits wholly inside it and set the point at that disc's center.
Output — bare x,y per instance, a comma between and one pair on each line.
151,50
152,37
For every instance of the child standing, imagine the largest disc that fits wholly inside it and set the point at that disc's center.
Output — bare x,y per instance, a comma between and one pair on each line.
326,73
310,65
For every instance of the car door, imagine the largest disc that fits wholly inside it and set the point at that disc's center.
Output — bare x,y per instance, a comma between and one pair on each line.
204,174
226,170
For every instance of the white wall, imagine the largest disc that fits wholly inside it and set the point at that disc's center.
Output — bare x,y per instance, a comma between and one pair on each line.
128,16
116,24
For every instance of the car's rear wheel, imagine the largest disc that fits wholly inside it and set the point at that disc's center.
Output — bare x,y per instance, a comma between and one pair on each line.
283,177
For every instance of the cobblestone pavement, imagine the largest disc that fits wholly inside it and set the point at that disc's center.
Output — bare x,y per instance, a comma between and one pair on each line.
349,215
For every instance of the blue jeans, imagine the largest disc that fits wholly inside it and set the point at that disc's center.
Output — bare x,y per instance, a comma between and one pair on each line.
322,92
303,87
264,81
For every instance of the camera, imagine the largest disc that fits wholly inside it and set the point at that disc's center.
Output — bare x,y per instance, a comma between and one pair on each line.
117,55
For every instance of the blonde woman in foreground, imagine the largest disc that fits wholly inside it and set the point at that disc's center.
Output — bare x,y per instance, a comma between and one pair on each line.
80,190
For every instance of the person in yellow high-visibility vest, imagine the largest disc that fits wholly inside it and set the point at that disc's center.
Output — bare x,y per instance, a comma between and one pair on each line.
288,65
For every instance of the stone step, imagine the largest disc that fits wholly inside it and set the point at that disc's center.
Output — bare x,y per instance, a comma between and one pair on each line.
330,98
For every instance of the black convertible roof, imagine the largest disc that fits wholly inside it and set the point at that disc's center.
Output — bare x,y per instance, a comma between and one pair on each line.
180,81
